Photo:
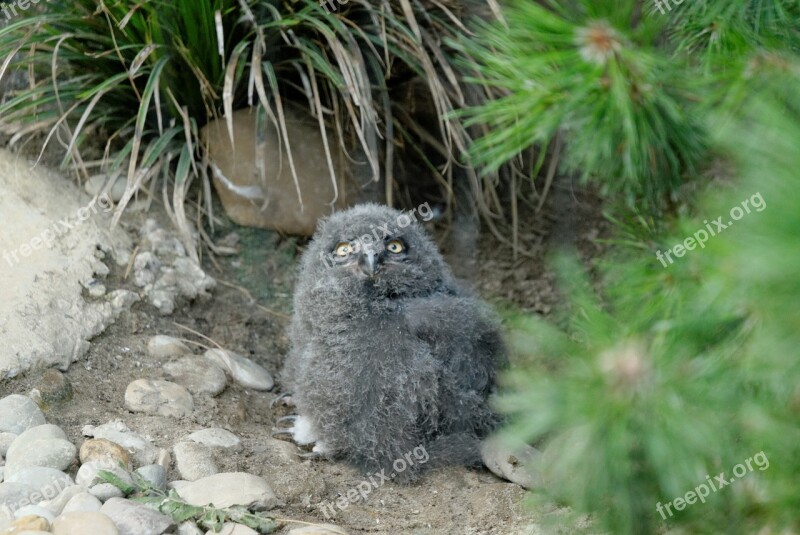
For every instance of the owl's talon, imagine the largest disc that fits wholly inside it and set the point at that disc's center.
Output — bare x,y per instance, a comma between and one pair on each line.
284,399
283,433
292,418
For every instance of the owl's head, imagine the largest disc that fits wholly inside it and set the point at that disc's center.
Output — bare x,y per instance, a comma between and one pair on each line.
381,250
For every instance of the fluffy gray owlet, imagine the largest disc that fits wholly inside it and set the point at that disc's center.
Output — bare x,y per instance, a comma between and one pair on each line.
389,354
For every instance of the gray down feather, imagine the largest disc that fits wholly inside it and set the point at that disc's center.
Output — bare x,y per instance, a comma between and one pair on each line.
383,364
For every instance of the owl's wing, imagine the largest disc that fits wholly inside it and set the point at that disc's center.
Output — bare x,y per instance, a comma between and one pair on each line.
463,334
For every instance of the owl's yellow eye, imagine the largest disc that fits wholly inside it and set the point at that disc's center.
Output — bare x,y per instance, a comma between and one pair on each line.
343,249
395,246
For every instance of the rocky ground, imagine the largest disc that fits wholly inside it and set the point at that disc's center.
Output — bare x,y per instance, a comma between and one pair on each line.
174,399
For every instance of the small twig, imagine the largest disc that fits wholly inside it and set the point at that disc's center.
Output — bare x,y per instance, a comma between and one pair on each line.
201,335
130,263
188,341
252,299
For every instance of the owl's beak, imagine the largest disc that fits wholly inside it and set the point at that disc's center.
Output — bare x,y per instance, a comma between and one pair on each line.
368,262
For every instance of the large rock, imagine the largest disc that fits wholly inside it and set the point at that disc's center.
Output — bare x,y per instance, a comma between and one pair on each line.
154,396
18,413
243,370
254,180
83,523
215,437
228,489
143,452
196,375
133,518
54,241
517,463
194,461
48,482
47,452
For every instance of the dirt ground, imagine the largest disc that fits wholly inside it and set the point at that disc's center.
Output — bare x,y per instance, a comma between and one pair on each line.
248,313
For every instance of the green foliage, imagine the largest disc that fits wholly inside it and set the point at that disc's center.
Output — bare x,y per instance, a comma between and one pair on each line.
145,76
716,31
676,373
583,72
627,89
172,505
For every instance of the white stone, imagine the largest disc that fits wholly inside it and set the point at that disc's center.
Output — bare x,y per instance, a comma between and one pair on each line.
155,474
48,482
143,452
197,375
84,523
194,461
19,413
35,510
5,442
57,504
15,495
133,518
215,437
228,489
162,346
88,473
40,432
243,370
518,464
105,492
188,528
82,502
153,396
48,452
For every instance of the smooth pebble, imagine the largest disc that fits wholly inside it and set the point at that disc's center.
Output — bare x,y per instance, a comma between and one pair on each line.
48,452
48,482
5,442
197,377
517,464
155,474
117,432
19,413
216,437
103,450
35,510
194,461
82,502
89,473
243,370
105,491
133,518
230,488
154,396
84,523
162,346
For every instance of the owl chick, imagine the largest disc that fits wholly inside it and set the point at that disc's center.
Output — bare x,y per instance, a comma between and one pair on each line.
388,353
